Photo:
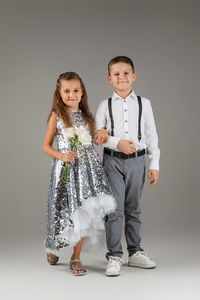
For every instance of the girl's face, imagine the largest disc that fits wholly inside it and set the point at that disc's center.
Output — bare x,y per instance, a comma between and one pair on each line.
71,93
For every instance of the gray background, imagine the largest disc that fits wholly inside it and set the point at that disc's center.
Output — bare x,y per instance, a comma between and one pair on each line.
40,40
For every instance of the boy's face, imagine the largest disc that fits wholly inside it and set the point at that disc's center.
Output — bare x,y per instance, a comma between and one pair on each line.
121,77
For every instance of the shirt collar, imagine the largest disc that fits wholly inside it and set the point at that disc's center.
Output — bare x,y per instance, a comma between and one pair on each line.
131,96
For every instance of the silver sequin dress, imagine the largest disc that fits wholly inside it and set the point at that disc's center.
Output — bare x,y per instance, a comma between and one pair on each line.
76,209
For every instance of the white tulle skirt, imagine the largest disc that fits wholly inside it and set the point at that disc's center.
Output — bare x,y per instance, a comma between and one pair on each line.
88,223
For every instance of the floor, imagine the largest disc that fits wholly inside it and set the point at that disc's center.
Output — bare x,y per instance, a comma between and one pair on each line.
27,275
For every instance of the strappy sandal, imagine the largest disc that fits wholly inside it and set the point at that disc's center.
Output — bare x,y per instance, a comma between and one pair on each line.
52,260
79,268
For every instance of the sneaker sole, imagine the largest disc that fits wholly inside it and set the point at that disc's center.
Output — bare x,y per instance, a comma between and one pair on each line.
112,275
142,266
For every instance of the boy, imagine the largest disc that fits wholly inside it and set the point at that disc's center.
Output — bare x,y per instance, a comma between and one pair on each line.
129,120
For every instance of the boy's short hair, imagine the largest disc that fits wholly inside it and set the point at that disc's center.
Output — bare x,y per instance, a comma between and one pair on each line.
119,59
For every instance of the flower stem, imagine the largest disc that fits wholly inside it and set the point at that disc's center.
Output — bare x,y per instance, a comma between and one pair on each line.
67,168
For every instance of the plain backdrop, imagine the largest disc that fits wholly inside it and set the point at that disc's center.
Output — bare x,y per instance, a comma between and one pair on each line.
42,39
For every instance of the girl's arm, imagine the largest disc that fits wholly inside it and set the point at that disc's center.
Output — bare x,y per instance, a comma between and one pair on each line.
101,137
48,141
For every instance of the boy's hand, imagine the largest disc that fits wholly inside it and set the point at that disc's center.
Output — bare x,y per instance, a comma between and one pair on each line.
101,137
126,146
153,174
69,156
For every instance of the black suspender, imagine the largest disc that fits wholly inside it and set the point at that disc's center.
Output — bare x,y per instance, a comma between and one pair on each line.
111,115
139,117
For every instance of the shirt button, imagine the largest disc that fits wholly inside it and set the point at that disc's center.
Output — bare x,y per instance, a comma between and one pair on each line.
126,131
126,121
125,109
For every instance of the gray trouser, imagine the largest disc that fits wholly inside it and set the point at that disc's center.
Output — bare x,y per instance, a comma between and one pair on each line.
126,178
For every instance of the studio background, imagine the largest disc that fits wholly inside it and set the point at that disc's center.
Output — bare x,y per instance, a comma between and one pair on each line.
42,39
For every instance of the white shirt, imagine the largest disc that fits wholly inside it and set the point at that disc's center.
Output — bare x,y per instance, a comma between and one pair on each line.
125,116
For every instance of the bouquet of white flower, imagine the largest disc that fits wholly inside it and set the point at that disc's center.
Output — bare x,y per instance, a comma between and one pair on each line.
76,136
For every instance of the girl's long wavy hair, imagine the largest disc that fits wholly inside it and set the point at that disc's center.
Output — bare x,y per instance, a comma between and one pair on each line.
60,107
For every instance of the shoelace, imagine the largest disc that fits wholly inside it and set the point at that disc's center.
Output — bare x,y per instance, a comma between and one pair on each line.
142,255
115,258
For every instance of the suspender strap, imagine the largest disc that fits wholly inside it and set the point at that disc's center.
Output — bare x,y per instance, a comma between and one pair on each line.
111,115
139,118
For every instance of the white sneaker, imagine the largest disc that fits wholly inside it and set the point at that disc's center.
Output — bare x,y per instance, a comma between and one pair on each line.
113,267
141,260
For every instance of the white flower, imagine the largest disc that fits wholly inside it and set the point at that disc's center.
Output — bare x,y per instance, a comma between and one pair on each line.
83,135
69,132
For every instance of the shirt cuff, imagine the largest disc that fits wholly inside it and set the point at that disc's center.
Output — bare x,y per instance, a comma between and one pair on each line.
112,143
154,165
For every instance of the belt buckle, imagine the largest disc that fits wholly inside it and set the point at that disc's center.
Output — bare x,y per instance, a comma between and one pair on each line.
136,154
111,152
122,155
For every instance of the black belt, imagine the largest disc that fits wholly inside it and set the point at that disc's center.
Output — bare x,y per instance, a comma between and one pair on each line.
123,155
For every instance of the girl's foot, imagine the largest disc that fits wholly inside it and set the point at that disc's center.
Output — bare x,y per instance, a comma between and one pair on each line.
77,267
52,259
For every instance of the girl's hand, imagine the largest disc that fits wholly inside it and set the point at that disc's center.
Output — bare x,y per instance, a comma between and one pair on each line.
101,136
153,174
69,156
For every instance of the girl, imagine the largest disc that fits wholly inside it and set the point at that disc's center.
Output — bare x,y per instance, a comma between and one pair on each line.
76,207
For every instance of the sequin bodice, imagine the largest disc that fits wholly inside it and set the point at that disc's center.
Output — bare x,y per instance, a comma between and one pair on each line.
77,120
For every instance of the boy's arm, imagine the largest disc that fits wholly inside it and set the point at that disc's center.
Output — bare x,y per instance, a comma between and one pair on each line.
101,122
114,143
151,138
